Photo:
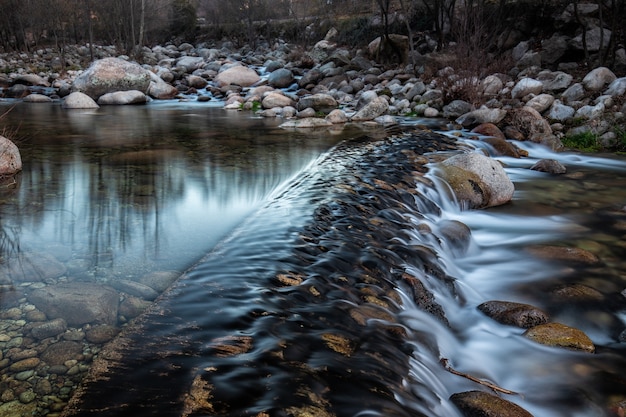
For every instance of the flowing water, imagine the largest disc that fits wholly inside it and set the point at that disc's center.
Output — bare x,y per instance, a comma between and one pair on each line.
302,297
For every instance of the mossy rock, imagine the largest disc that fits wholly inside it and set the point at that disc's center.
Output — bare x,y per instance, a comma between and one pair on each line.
483,404
560,335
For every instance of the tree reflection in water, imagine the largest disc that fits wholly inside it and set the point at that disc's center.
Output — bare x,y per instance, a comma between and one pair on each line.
132,189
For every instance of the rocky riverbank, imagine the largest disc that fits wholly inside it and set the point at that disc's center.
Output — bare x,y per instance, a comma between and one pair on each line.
330,85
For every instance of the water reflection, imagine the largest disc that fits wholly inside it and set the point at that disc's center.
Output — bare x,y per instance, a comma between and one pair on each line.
125,190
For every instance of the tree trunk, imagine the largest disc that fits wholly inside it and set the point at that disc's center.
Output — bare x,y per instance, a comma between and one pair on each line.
142,23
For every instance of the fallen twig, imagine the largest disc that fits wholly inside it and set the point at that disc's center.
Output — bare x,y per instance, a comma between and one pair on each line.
446,365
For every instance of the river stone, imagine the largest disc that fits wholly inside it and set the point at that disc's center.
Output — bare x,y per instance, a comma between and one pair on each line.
321,102
514,314
371,110
78,100
58,353
555,81
483,115
457,235
197,82
525,87
276,99
159,280
77,302
24,364
617,87
135,288
560,335
30,266
597,78
190,63
31,79
310,77
551,166
101,334
37,98
281,78
591,112
492,85
49,329
573,93
564,254
560,112
477,180
337,116
541,103
577,292
123,97
534,127
132,306
456,108
159,89
488,129
16,408
237,75
502,147
306,123
483,404
10,158
593,39
112,74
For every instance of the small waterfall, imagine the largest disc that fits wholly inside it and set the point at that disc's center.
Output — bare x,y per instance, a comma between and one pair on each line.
353,292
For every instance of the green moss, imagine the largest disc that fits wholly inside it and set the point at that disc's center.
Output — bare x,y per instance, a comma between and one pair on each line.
586,142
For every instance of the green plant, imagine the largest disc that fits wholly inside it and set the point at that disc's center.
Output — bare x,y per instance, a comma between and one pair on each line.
586,142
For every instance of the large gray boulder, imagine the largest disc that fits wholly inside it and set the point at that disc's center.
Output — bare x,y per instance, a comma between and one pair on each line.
112,74
10,159
477,180
237,75
371,110
77,303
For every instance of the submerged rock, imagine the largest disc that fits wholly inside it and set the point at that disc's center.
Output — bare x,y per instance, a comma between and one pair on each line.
77,302
560,335
564,254
483,404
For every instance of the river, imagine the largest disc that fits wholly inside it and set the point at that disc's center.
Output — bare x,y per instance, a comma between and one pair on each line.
238,203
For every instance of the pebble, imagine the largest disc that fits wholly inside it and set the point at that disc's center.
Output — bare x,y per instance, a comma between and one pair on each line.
27,396
24,364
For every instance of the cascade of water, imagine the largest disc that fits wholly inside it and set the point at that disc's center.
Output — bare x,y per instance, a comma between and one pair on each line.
551,381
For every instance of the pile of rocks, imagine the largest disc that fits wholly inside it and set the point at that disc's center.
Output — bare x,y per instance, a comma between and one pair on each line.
330,85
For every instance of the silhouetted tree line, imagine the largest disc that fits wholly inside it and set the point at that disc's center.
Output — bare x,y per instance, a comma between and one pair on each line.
479,25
